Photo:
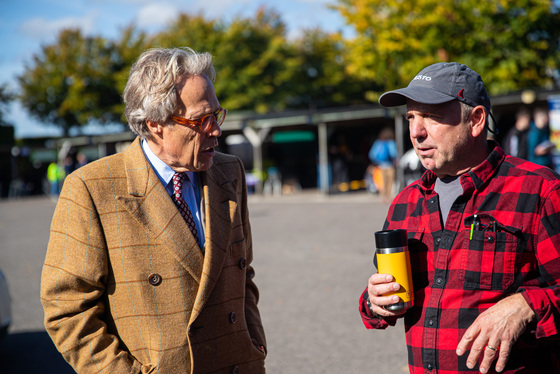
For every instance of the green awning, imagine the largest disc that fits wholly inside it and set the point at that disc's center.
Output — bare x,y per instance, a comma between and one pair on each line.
293,136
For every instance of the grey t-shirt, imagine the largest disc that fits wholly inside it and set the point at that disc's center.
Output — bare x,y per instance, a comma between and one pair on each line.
448,189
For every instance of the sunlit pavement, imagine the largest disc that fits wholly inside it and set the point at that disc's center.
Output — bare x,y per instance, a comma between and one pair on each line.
313,256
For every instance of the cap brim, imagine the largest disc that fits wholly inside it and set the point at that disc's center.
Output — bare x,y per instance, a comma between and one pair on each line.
419,94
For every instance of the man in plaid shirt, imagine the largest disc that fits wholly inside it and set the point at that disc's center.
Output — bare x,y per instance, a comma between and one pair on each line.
484,239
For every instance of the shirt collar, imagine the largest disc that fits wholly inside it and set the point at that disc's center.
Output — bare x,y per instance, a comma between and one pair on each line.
164,172
476,178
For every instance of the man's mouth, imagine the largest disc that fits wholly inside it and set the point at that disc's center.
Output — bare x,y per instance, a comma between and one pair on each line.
424,151
209,151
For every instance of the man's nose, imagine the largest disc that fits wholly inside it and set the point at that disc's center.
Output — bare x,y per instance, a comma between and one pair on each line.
417,128
215,130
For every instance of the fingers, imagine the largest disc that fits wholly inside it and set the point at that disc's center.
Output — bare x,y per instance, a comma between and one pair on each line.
472,332
482,347
380,285
490,353
503,356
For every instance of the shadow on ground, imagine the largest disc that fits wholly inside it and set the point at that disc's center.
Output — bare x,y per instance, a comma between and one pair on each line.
31,353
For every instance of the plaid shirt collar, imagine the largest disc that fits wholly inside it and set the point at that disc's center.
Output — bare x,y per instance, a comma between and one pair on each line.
474,179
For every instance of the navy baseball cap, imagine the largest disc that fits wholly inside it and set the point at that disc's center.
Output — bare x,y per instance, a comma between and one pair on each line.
440,83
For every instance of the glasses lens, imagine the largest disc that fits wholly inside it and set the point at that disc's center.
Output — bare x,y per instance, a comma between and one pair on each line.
221,116
208,120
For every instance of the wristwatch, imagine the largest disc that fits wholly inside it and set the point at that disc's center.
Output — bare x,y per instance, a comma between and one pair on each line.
374,315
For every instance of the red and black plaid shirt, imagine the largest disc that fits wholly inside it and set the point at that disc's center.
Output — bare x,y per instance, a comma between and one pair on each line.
456,276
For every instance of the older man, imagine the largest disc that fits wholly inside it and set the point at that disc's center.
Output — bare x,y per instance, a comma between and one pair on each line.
484,239
148,267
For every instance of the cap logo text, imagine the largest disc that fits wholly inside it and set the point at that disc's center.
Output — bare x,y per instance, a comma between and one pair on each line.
422,78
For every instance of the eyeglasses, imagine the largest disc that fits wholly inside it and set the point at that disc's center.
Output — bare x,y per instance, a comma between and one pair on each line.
206,122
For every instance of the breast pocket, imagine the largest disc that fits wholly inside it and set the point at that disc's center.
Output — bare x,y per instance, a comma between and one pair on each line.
489,262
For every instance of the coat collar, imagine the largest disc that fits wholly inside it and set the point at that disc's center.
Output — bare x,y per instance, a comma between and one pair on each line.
150,204
219,205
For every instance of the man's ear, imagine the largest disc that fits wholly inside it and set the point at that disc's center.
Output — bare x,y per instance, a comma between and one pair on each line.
478,120
154,127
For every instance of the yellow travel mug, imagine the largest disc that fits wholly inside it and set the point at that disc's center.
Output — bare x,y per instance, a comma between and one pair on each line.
393,258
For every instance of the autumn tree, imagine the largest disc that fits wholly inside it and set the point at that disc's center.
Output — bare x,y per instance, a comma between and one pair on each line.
512,44
72,82
322,79
255,63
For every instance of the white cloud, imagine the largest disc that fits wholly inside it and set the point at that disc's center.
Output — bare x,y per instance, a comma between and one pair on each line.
39,28
155,15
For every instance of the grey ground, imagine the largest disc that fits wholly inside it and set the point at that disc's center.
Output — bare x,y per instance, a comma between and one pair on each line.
313,255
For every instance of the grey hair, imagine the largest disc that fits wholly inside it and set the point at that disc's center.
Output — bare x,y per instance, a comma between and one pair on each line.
150,93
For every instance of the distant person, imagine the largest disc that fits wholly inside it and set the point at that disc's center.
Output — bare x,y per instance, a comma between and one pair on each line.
55,176
69,165
515,142
339,155
81,160
483,237
383,154
540,147
148,267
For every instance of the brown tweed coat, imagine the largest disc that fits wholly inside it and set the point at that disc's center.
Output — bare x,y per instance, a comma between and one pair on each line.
126,288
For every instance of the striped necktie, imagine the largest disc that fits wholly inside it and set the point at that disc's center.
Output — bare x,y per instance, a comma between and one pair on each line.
178,179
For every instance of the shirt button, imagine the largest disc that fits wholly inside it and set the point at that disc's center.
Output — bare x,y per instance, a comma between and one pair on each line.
431,323
154,279
490,239
232,317
242,263
429,367
439,281
235,370
438,240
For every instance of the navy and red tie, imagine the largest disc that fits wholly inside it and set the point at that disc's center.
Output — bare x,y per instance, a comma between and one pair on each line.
178,179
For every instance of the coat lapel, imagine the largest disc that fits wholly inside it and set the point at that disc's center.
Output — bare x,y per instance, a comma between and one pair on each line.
219,193
150,204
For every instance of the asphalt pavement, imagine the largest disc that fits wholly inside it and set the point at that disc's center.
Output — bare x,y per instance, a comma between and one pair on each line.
313,256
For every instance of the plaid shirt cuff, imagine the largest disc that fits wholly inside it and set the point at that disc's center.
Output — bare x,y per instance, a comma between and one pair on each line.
539,300
370,320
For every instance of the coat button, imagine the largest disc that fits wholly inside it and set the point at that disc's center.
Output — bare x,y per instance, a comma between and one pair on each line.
155,279
235,370
242,263
232,317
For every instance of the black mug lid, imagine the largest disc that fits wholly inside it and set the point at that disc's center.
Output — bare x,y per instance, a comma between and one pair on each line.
391,238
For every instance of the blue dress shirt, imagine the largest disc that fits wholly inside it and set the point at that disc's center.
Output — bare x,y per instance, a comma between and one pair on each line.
191,193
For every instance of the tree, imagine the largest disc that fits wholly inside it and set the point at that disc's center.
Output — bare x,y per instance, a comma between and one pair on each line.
71,82
125,52
253,60
255,63
5,98
322,79
512,44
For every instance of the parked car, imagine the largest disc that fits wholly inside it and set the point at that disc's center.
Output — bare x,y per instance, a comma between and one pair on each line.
5,308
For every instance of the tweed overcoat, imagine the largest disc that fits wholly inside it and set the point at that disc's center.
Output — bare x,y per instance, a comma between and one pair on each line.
125,286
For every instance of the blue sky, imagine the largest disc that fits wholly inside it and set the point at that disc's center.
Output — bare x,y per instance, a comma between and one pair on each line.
25,25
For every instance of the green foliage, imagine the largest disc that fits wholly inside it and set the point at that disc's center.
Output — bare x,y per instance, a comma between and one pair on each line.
72,82
512,44
5,98
255,63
